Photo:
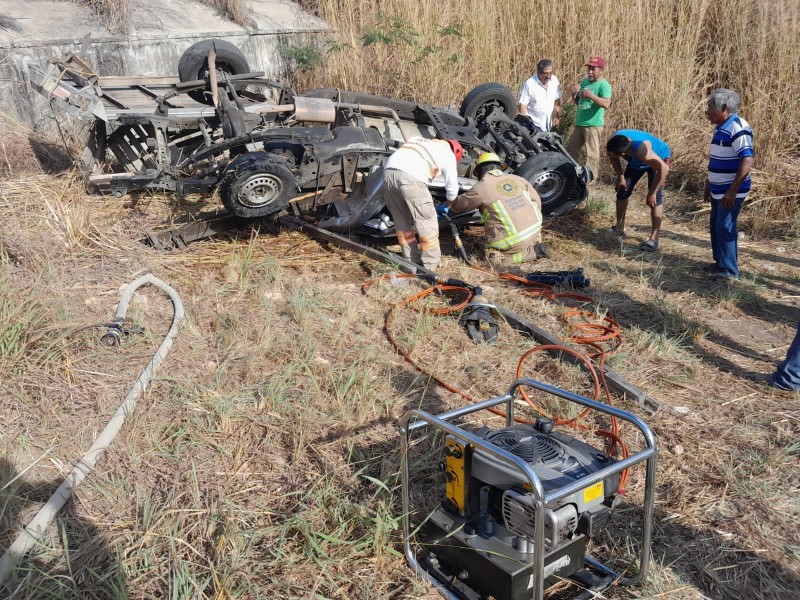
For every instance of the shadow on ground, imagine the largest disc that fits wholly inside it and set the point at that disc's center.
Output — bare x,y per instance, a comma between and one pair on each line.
52,158
700,557
82,566
669,271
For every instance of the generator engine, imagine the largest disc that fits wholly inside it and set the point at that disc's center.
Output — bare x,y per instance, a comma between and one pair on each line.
479,542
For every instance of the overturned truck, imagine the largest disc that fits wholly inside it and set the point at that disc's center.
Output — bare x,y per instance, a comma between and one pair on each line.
220,126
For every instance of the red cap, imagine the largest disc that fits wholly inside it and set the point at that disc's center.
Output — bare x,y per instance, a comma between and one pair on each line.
597,61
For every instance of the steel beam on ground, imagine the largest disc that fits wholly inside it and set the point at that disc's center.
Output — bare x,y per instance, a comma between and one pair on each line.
616,382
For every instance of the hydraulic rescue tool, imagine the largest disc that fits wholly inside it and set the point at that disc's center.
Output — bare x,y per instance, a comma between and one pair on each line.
518,504
573,278
615,382
480,318
462,252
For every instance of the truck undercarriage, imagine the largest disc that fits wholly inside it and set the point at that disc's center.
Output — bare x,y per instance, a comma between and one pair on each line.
264,148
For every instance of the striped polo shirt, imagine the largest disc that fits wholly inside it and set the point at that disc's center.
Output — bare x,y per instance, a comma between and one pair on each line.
732,141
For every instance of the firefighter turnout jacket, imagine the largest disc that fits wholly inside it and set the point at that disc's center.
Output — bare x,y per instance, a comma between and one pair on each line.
511,211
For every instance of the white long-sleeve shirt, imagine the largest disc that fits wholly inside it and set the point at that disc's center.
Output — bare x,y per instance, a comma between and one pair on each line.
425,159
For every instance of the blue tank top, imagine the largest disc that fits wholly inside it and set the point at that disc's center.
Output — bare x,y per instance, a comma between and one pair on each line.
659,147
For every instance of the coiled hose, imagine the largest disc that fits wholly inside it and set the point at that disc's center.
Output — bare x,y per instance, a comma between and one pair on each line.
604,338
33,532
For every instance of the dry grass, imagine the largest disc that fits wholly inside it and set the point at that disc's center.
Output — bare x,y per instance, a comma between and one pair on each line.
114,15
237,11
9,24
24,151
262,462
663,57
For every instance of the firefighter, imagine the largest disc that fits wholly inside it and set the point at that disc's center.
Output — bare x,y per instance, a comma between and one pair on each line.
407,174
511,213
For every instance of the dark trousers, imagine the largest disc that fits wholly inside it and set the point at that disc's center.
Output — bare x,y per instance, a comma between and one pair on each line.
526,122
725,236
787,375
632,177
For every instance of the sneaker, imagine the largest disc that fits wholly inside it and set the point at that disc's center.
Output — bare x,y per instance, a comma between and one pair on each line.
649,246
613,231
780,383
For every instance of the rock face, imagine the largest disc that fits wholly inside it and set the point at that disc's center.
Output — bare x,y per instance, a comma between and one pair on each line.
159,33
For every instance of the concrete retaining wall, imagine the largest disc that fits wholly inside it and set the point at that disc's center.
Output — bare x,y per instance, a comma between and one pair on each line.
160,34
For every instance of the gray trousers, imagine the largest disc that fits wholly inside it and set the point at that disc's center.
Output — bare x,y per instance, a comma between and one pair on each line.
415,221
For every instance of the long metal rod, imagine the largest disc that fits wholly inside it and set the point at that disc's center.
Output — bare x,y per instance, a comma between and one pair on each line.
615,381
534,482
423,419
363,108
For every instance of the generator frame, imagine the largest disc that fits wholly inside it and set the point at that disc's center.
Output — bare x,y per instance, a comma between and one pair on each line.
417,420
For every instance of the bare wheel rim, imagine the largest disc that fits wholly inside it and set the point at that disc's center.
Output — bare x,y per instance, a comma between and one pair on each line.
549,184
260,190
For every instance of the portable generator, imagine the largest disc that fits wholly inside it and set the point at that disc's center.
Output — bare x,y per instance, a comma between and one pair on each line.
519,504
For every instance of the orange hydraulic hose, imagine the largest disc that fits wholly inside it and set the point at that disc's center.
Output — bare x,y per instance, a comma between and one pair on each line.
593,335
409,300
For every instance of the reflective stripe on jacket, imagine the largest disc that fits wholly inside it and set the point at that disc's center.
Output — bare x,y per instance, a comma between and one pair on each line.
511,210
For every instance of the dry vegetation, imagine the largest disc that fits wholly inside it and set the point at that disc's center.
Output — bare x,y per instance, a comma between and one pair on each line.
262,462
663,57
237,11
115,15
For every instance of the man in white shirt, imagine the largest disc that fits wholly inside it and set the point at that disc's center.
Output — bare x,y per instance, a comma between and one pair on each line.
406,176
540,99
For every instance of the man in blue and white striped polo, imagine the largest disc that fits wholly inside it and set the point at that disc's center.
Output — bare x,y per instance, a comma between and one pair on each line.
731,158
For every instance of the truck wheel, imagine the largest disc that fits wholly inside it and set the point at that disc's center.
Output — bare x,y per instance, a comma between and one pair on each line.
256,186
487,97
553,176
193,65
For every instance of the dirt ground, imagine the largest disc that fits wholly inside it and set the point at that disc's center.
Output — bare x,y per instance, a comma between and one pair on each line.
262,462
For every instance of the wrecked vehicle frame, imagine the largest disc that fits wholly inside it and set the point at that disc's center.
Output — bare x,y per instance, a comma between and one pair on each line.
219,126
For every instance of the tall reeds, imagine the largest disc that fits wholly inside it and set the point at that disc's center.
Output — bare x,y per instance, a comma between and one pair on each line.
663,58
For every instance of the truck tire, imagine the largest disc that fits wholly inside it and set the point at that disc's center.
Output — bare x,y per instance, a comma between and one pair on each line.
554,177
487,97
256,185
193,65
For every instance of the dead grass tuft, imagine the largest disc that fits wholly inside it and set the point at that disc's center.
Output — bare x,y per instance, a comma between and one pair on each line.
24,152
264,456
237,11
9,24
114,15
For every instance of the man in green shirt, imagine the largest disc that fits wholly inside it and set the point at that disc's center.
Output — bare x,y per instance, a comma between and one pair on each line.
593,97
